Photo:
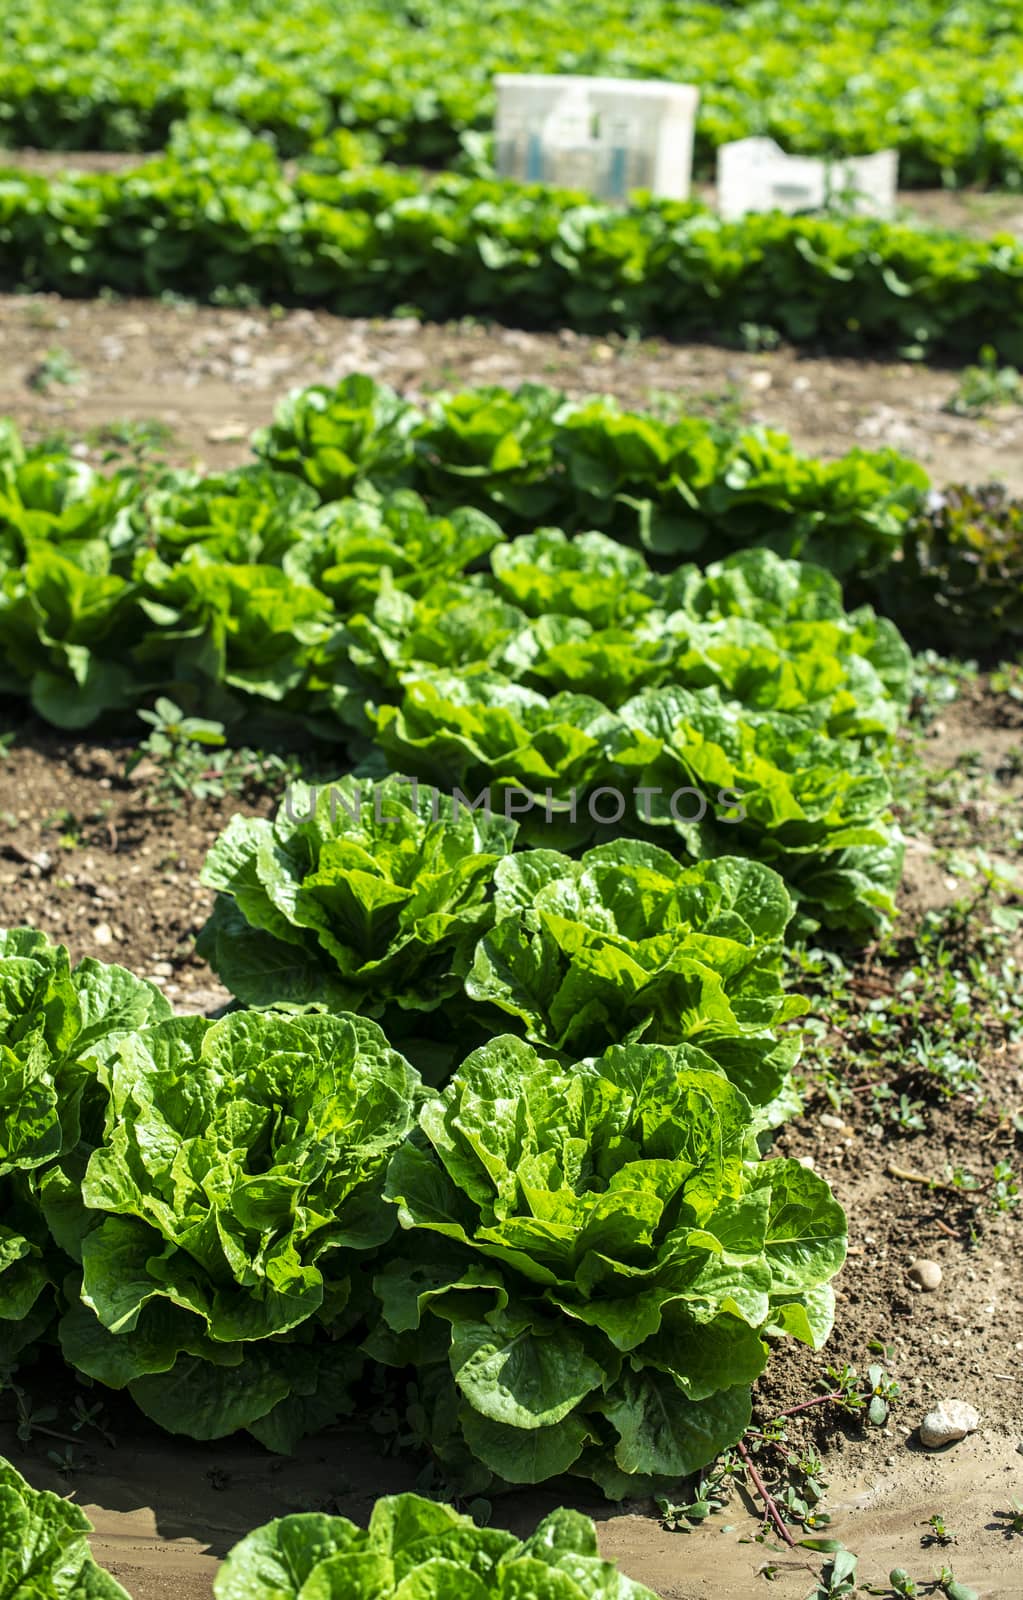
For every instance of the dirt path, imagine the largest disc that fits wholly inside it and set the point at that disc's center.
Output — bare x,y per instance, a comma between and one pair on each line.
211,376
209,1497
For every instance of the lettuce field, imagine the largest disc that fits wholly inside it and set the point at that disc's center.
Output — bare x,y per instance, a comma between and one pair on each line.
510,761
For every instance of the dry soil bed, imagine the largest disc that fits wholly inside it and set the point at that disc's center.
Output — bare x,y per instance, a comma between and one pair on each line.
211,376
84,855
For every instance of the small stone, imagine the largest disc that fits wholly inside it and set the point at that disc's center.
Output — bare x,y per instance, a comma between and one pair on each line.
950,1420
924,1274
162,969
760,381
828,1121
806,1161
102,933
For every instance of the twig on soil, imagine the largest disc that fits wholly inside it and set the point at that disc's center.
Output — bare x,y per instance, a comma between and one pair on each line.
770,1504
1002,1126
944,1228
921,1177
804,1405
936,1183
53,1433
112,836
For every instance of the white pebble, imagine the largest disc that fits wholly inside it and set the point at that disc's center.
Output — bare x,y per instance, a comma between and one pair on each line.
950,1420
924,1274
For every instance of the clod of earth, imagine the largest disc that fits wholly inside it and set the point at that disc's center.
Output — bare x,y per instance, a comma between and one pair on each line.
949,1421
925,1275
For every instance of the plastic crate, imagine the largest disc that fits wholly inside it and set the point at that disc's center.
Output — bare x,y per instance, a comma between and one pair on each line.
605,135
757,175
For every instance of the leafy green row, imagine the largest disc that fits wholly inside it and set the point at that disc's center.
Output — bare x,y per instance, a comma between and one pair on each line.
412,1548
98,75
591,1256
526,457
531,456
560,668
217,218
750,714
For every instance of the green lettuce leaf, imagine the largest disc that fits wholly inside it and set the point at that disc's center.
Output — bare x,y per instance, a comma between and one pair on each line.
416,1549
44,1547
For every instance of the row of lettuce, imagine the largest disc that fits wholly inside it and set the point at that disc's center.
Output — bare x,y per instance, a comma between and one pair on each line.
580,1263
323,503
680,489
948,567
218,218
95,75
412,1547
741,709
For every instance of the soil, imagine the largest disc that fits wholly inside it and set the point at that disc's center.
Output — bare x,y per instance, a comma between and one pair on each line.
100,863
211,376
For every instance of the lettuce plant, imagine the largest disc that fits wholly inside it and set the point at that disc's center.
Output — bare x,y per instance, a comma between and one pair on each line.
233,628
56,1024
249,515
55,500
590,577
593,1259
492,447
453,627
813,807
63,631
801,604
626,944
414,1548
44,1546
481,731
352,547
223,1217
333,437
359,896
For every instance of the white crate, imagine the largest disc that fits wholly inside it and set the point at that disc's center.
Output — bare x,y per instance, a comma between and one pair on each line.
757,175
605,135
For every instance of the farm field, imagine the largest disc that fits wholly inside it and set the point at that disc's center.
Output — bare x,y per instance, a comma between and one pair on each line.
511,753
